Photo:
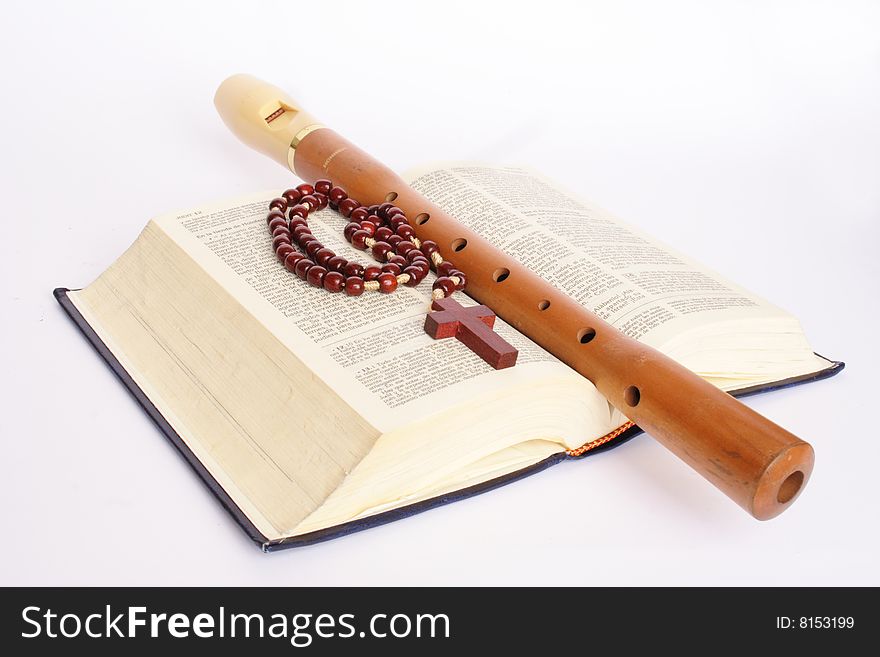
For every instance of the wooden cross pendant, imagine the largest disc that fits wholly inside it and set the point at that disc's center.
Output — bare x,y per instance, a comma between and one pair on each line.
473,326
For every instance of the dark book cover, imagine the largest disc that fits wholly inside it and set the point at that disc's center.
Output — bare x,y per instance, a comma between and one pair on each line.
61,294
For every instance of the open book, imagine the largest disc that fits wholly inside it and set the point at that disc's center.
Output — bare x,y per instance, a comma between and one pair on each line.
312,414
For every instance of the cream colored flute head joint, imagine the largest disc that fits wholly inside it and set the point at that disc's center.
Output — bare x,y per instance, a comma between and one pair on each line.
263,116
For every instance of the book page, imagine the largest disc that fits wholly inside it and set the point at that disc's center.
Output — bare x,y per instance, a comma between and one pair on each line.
643,288
371,349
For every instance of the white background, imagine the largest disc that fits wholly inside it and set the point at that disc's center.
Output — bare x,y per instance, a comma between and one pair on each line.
746,134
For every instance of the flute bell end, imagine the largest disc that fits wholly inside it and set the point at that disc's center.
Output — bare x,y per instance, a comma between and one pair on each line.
783,481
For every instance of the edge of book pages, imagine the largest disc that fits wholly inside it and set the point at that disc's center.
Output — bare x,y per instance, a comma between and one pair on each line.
617,437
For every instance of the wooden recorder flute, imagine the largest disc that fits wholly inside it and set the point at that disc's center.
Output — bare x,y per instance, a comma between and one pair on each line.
755,462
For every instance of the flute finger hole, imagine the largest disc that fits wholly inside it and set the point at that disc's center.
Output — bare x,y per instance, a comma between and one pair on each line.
632,396
586,334
459,244
543,304
500,275
390,196
422,219
790,487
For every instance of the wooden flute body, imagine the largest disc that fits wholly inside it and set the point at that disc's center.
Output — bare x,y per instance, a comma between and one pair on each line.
754,461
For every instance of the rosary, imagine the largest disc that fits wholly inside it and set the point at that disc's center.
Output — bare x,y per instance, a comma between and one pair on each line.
403,259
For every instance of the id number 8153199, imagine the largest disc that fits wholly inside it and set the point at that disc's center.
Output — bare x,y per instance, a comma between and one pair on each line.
815,622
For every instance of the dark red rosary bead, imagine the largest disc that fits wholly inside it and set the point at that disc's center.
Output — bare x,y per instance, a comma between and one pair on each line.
274,214
415,276
323,186
358,239
313,247
323,202
429,247
310,201
315,275
383,208
414,254
368,226
391,269
337,195
347,206
354,269
305,189
278,204
333,281
387,283
291,259
354,286
372,272
323,256
302,267
423,269
292,196
283,251
394,240
336,263
299,211
398,260
444,283
359,214
462,279
445,268
276,222
349,229
403,247
383,233
380,250
405,231
278,241
300,231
